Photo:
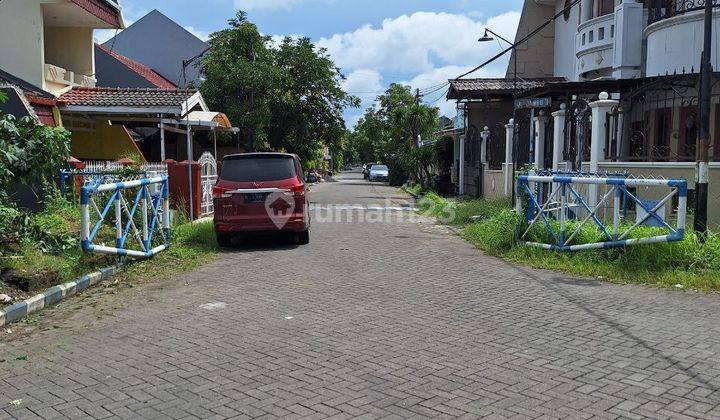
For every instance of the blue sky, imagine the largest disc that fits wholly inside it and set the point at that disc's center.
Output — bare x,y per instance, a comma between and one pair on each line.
376,42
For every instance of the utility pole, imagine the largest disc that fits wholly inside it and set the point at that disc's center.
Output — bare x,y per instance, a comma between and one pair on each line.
704,92
414,133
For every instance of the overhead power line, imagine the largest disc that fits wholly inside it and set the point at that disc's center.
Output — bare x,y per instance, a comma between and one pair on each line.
523,39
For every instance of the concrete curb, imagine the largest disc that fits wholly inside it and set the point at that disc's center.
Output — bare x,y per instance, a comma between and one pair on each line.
53,295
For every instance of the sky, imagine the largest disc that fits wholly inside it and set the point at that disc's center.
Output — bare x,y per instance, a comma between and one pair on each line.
421,43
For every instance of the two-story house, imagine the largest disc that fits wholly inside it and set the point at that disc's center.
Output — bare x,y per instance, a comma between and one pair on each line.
49,43
46,48
628,101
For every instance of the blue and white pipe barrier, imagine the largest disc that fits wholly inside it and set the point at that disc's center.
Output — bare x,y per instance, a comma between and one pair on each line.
149,207
564,199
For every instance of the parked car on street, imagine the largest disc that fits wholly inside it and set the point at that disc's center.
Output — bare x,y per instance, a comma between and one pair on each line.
366,169
378,173
260,192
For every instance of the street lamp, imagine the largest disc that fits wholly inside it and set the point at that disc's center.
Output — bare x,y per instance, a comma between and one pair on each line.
486,38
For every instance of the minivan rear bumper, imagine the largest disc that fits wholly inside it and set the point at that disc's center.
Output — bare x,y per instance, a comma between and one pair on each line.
294,224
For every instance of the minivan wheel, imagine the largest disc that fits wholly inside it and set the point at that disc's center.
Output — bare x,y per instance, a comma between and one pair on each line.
303,237
224,240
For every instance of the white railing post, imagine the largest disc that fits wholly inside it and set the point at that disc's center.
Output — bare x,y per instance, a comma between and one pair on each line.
508,165
118,219
539,122
558,136
599,109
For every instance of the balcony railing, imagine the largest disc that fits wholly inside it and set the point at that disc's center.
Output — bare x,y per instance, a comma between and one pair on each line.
664,9
61,76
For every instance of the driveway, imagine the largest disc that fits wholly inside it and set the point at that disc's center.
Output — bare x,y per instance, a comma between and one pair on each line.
384,314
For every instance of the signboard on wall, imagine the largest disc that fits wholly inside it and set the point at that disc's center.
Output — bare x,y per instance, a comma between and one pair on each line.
526,103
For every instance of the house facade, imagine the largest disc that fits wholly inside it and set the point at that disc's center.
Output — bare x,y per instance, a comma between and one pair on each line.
49,43
625,98
46,48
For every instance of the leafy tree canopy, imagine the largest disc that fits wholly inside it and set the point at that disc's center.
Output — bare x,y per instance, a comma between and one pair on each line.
285,95
389,133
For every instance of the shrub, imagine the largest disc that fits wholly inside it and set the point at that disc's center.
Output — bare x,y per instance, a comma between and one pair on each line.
432,204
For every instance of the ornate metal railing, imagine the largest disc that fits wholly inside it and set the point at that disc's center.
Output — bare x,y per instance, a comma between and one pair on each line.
664,9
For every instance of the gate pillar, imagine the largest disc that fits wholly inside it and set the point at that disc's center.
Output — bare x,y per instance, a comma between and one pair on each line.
539,139
599,109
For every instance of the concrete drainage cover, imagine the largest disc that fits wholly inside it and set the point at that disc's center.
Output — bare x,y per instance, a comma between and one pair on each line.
213,306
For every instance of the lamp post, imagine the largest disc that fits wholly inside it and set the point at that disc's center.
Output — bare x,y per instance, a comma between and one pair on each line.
486,38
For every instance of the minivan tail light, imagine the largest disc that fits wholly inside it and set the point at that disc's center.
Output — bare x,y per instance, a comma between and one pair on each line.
298,190
220,192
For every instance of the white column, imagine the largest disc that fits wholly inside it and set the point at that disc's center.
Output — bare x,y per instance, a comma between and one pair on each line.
508,165
558,136
586,11
627,43
599,109
539,122
461,169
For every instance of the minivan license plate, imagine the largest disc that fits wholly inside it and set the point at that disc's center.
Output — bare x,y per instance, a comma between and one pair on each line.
255,197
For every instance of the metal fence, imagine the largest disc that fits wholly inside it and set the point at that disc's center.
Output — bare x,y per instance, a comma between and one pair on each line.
95,172
141,221
557,207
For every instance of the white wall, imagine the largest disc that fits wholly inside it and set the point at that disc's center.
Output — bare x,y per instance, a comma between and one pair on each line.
21,40
565,31
677,43
70,48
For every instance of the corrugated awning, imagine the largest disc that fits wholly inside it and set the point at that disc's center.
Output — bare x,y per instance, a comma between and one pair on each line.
218,118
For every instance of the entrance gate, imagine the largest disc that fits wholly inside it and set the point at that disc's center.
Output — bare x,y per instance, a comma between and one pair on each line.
208,178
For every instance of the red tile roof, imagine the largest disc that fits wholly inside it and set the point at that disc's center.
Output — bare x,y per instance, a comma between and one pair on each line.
142,70
107,11
124,97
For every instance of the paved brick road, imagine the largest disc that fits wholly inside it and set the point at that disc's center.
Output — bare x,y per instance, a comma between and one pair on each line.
375,320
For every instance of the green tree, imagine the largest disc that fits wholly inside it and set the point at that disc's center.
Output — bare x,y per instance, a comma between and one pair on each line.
287,96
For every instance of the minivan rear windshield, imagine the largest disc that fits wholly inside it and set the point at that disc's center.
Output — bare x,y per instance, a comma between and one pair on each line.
257,168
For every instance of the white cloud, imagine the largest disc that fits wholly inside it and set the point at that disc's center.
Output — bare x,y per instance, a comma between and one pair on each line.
203,35
365,84
428,47
418,42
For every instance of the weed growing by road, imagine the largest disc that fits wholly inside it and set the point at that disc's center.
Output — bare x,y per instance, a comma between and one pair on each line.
688,264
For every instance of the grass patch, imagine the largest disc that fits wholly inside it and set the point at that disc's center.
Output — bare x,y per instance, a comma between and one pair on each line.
41,250
414,190
480,209
192,245
688,263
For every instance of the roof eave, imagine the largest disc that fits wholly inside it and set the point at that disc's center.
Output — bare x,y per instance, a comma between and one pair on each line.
93,109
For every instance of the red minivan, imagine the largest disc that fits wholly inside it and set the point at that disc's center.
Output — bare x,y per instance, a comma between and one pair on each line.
260,192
